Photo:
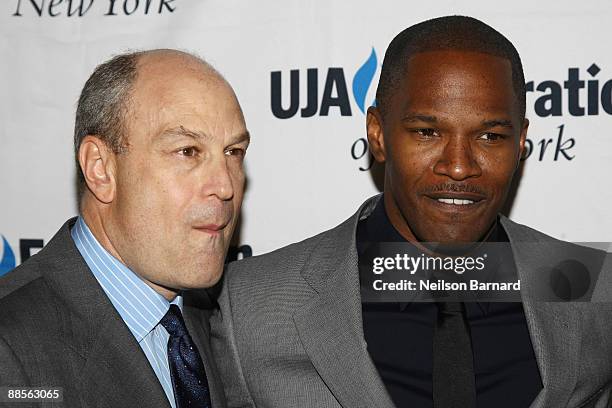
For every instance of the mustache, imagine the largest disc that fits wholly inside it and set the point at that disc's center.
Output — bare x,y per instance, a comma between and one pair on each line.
454,188
220,213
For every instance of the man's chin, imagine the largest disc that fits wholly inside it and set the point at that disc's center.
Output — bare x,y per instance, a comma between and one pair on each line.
205,279
450,248
198,284
198,276
457,238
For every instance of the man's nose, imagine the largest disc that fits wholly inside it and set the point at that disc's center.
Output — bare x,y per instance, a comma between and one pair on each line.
218,179
457,160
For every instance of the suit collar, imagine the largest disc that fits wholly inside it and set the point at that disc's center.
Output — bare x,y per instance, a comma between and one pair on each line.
555,327
138,304
95,331
335,248
331,331
330,324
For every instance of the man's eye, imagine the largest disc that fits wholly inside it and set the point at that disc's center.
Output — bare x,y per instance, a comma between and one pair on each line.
236,152
189,151
491,137
426,132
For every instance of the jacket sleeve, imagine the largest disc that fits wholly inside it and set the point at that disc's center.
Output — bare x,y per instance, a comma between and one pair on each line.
226,352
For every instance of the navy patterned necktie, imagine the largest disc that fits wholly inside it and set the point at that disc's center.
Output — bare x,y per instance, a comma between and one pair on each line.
186,367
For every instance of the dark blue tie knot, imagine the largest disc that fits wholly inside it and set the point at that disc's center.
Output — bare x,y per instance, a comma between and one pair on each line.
173,322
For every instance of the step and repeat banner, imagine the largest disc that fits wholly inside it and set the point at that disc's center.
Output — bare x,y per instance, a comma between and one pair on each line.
305,73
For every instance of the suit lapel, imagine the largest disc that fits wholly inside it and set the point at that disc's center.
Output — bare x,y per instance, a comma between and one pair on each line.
115,370
554,327
554,330
330,324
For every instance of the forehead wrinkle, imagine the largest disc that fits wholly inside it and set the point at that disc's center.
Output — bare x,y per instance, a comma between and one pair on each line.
182,131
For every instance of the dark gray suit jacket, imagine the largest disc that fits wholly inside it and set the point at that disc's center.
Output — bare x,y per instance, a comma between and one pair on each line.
289,330
59,329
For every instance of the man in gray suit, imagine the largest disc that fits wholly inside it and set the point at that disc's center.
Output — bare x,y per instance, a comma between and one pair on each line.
294,328
105,310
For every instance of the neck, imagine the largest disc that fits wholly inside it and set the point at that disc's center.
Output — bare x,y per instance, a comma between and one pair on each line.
97,222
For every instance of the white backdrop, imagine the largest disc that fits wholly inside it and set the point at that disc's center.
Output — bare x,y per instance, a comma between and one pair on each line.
301,171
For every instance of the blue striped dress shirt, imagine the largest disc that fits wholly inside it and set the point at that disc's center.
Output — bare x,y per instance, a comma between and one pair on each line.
140,307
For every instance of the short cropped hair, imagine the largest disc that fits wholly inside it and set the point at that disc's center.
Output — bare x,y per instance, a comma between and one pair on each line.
103,105
447,33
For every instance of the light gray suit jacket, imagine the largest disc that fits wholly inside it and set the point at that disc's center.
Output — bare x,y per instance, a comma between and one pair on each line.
59,329
289,330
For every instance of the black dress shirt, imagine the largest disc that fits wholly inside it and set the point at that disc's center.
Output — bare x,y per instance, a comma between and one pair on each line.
399,337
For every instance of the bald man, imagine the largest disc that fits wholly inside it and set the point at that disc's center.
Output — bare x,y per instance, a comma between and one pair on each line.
104,311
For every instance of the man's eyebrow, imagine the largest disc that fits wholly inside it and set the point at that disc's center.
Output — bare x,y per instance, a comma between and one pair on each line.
183,131
498,122
240,138
417,117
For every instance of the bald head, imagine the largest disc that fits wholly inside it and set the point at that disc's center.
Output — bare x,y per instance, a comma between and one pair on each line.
164,62
105,99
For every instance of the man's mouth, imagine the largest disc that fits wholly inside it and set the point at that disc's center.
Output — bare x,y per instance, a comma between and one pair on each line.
457,200
213,229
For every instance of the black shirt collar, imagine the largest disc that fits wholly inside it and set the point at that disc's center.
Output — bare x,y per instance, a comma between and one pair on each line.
377,227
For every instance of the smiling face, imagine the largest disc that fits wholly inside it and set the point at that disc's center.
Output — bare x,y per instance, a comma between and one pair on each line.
451,139
179,186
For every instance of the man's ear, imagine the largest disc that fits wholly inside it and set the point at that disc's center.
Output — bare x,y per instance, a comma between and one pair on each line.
375,134
522,139
98,164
